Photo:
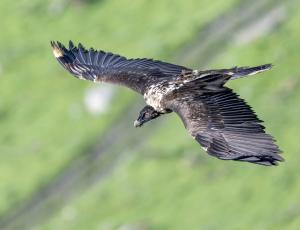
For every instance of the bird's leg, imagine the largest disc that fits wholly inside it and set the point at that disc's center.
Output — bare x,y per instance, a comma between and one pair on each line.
147,114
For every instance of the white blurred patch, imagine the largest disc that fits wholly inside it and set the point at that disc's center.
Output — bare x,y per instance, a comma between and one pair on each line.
68,213
97,99
261,26
134,226
57,6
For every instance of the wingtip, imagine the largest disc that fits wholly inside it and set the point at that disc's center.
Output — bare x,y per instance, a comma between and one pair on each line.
271,160
57,49
268,160
279,157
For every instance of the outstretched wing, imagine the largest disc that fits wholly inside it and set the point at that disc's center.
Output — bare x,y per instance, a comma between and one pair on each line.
103,66
226,127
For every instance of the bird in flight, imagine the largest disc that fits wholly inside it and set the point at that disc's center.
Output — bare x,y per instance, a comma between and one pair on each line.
216,117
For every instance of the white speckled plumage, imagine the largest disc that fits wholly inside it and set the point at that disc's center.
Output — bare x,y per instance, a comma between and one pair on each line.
155,94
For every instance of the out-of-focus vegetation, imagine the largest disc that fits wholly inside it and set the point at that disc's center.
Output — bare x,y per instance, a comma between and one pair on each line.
168,182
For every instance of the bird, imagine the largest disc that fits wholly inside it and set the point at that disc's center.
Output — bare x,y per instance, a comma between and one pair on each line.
224,125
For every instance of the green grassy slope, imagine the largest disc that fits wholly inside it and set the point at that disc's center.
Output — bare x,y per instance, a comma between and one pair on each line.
172,184
44,123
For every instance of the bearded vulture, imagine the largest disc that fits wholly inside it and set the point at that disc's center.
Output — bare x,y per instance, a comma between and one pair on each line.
223,124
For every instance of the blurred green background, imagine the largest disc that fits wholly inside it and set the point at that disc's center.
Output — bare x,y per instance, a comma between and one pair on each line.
69,155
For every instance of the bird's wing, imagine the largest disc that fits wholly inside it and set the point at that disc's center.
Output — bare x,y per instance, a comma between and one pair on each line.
103,66
226,127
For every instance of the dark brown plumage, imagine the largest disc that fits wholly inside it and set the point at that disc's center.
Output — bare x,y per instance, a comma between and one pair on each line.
224,125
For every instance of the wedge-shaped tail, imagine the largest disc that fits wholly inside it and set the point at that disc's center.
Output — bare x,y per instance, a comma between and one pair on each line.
216,78
239,72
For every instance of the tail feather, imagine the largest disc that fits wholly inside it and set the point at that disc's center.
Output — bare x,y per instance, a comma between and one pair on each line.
218,77
239,72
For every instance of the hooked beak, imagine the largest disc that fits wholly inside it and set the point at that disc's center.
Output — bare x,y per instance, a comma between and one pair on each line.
137,123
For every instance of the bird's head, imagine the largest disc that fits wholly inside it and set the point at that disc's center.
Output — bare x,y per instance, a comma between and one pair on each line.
147,114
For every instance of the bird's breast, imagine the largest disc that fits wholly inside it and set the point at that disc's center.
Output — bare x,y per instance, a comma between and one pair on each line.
156,95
